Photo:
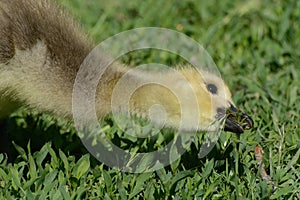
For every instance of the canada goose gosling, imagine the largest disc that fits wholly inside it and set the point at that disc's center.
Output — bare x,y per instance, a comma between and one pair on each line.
41,50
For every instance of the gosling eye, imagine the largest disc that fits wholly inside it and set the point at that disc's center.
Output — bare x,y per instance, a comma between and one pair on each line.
212,88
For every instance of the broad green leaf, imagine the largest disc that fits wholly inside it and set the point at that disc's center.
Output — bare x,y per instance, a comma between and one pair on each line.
82,166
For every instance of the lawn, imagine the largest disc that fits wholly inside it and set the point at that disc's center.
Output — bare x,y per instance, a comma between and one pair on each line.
255,46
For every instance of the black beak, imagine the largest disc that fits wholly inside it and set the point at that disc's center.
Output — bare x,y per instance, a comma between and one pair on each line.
237,121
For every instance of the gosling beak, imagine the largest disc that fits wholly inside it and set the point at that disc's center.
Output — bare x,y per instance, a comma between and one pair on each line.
236,121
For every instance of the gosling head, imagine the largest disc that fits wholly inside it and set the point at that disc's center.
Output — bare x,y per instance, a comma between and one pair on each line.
216,108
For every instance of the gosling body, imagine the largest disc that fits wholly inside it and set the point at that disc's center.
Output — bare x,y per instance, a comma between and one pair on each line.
42,48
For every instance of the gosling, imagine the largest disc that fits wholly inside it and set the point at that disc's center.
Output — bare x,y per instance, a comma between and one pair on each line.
42,49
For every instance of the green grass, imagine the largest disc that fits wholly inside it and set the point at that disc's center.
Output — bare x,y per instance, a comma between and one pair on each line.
255,44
